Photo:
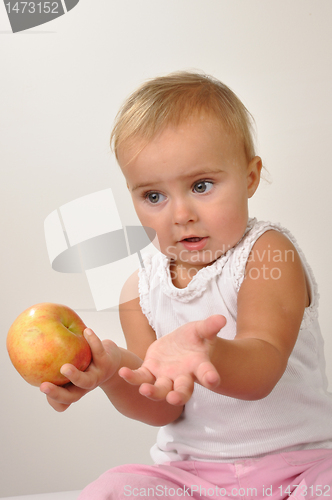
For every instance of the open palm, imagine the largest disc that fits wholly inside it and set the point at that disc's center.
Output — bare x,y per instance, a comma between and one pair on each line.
174,362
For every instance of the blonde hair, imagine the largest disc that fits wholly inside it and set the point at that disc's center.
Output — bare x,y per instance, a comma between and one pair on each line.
173,99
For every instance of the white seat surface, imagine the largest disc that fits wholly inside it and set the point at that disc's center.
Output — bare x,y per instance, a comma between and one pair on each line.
61,495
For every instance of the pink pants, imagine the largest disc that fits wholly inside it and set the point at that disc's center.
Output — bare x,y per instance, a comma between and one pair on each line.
297,475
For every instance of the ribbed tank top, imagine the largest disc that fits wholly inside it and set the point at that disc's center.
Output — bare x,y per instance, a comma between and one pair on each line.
296,415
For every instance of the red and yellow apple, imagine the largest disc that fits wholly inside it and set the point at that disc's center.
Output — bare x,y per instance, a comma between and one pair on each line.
43,338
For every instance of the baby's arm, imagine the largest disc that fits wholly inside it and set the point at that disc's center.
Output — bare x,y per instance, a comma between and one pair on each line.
139,336
107,358
270,312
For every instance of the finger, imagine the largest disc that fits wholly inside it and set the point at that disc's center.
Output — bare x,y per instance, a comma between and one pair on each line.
207,375
84,380
136,377
59,407
210,327
60,397
183,389
157,391
88,379
96,345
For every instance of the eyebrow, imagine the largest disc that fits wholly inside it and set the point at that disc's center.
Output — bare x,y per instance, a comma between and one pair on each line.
195,174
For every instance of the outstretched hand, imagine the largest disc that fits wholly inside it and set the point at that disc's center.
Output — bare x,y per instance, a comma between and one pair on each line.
106,357
174,362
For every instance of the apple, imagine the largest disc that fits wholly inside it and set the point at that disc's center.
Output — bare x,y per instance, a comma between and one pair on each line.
43,338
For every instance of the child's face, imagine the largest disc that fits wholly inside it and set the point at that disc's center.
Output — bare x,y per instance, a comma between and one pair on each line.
192,181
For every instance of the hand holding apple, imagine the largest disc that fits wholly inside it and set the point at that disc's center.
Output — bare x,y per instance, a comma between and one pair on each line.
105,363
45,337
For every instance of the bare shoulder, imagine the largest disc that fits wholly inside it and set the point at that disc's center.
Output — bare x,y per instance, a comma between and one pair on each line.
137,331
274,258
275,247
274,293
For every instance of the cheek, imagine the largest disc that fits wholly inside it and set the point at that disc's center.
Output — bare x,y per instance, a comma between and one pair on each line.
146,218
232,216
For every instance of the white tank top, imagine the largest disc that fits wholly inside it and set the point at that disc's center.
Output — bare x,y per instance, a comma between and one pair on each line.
297,414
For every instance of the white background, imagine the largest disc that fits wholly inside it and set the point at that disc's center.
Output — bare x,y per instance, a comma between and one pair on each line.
61,86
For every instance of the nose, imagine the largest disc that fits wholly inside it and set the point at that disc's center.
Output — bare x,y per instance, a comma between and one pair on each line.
183,211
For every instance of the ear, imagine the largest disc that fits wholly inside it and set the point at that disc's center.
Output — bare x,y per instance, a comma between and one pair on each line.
253,175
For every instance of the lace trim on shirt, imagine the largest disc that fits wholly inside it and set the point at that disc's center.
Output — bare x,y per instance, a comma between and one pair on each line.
199,282
197,285
242,255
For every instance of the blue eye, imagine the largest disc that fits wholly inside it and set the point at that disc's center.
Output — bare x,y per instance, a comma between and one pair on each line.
203,186
153,197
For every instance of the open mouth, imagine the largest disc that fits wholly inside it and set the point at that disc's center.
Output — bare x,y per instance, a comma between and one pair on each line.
192,239
194,243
